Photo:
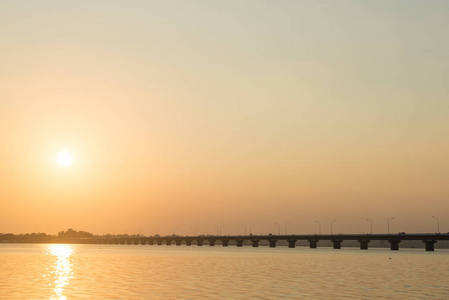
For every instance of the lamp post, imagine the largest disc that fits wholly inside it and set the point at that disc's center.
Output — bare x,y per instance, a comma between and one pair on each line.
388,224
371,221
279,228
216,226
194,229
319,227
218,229
438,223
286,224
250,228
245,227
331,224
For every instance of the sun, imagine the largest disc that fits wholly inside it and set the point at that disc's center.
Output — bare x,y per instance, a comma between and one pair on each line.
64,158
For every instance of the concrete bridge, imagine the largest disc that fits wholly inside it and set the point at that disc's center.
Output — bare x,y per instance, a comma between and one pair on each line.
428,239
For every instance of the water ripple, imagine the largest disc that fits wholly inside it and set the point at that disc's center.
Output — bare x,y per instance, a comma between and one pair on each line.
167,272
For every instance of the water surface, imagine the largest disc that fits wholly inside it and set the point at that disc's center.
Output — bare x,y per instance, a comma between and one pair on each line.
51,271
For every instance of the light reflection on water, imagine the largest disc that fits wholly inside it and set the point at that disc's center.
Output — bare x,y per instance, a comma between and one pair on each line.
30,271
62,268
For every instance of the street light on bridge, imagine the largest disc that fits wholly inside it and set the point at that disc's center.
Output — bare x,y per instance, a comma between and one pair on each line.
319,227
388,224
250,232
218,229
371,221
194,229
245,227
331,224
438,223
286,227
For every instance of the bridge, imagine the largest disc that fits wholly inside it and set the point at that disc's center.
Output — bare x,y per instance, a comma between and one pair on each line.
394,240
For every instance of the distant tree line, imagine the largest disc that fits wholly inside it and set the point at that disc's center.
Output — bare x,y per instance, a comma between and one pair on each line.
61,236
46,238
26,238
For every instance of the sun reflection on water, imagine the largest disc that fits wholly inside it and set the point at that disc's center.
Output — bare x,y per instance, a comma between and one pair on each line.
62,269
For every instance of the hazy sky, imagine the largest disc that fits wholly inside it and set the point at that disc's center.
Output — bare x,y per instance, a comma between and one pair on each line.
206,113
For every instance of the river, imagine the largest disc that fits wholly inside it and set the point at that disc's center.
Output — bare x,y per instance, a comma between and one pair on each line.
53,271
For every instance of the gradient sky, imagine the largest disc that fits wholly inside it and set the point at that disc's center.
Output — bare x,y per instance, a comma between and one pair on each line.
206,113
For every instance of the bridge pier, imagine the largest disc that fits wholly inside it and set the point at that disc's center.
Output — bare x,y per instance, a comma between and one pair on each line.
225,243
199,242
136,242
430,245
188,242
291,243
143,242
150,242
178,242
129,242
394,244
168,242
255,242
364,244
239,242
211,242
313,243
272,243
337,243
159,242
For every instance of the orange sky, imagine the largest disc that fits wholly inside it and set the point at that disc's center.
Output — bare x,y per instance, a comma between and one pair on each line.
198,114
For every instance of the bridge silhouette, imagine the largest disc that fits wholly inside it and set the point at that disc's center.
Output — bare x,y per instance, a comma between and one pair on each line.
428,239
